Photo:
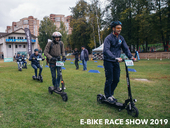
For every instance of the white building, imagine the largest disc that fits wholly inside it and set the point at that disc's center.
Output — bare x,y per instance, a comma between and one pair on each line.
14,42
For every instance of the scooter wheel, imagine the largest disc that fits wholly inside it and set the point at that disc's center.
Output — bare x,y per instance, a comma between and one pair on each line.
99,99
64,97
50,90
133,112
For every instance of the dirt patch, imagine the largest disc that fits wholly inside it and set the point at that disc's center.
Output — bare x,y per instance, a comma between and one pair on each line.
145,80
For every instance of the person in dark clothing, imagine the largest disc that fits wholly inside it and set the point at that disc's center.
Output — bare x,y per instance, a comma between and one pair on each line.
53,50
36,63
113,44
76,53
24,61
18,58
84,57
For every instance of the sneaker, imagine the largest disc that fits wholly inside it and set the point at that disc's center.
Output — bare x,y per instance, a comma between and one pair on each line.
114,98
110,100
57,89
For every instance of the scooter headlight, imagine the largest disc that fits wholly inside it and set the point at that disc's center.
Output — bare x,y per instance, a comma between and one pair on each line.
135,100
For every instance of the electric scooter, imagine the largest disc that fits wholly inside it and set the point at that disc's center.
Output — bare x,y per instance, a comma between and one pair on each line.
129,104
51,89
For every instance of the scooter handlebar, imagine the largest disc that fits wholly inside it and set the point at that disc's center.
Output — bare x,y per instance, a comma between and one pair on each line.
123,60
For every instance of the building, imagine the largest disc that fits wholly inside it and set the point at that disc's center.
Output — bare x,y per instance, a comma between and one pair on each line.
13,42
58,18
30,22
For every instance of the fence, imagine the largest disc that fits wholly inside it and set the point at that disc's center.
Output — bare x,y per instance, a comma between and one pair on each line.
154,55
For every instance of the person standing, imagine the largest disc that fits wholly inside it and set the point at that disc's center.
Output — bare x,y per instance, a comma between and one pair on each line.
84,57
76,53
113,44
53,50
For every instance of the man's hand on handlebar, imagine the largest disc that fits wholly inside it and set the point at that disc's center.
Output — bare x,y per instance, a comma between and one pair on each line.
119,59
63,58
53,59
134,59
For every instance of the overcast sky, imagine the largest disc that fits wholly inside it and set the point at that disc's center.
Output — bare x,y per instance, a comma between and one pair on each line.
14,10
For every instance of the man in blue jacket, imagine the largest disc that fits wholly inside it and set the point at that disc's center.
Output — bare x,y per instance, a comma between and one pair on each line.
84,57
24,61
19,60
113,44
36,63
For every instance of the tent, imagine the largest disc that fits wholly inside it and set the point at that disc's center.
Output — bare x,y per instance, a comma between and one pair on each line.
99,49
98,52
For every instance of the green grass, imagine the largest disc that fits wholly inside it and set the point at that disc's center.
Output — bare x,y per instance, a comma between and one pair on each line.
25,103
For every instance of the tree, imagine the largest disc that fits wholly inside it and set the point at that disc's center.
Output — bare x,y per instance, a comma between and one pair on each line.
81,28
46,30
63,31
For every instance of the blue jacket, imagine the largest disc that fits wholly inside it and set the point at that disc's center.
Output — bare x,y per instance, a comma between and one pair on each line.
23,59
33,59
112,47
86,55
18,58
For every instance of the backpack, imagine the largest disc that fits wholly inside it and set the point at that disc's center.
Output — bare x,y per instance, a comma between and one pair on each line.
51,48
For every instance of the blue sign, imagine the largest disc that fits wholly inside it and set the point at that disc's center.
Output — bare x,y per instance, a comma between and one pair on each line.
18,40
8,59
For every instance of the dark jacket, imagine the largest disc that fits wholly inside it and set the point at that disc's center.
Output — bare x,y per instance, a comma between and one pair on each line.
76,53
86,55
56,50
18,58
23,59
112,47
33,59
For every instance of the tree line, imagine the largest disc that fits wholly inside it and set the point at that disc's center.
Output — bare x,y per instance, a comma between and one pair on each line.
144,22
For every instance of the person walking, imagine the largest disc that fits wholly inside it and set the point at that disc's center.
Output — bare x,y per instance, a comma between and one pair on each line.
76,53
84,57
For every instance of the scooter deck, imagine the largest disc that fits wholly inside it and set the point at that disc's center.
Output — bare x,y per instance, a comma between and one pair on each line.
116,103
58,92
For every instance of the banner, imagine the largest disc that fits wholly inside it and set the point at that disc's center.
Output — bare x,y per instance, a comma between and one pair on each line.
8,59
29,43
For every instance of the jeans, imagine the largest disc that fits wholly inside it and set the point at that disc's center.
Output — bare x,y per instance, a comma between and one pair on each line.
84,64
19,64
24,62
53,68
112,74
76,63
35,69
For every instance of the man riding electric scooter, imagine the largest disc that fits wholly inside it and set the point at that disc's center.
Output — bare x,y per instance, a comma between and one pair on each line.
34,58
113,44
24,62
19,61
53,50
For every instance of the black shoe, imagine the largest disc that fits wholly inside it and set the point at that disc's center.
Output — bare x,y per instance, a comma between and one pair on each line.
57,89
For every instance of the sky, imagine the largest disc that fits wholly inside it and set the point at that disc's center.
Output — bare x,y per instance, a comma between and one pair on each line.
14,10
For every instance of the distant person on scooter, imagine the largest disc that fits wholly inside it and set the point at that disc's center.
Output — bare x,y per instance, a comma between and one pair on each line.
18,58
24,62
113,44
36,63
84,56
53,50
76,53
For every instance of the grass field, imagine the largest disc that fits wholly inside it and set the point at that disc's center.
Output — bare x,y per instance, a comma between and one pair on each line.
25,103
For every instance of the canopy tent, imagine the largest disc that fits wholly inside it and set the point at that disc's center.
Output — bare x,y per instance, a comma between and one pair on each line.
98,52
99,49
